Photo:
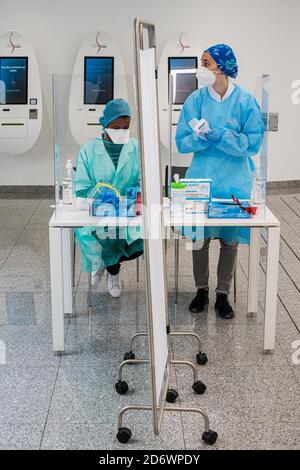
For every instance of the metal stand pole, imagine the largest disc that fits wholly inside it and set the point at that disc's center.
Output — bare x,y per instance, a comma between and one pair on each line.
89,302
176,267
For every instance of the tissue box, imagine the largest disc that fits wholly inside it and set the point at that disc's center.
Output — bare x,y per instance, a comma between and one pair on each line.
197,195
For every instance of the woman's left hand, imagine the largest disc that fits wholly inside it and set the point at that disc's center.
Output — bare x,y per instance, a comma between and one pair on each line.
213,135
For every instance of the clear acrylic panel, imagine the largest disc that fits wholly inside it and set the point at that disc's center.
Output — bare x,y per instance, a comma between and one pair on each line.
261,159
64,145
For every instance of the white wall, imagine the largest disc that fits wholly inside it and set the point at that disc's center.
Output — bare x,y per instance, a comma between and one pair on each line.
264,34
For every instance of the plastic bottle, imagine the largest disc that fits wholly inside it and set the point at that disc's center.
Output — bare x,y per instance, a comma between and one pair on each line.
68,184
258,188
177,194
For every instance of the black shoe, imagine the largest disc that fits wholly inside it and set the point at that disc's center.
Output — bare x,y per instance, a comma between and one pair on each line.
199,302
223,307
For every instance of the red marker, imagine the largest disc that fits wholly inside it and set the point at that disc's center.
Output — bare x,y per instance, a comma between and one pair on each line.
138,204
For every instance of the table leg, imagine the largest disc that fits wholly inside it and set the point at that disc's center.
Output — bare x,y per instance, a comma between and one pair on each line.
67,245
253,270
271,288
57,296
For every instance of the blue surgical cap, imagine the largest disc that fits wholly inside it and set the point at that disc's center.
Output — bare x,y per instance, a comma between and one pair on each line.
113,110
225,59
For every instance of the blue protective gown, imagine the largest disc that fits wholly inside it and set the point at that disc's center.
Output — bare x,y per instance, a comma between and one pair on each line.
227,162
104,246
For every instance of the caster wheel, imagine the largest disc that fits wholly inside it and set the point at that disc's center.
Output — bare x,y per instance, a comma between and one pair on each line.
210,437
201,358
199,387
124,434
129,355
172,395
121,387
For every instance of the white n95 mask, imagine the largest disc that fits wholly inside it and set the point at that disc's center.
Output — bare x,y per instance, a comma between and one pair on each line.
118,136
205,76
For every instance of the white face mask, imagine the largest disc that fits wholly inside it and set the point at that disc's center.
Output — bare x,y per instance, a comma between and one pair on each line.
118,136
205,76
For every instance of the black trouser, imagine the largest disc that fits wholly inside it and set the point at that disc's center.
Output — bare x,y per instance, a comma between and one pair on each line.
115,268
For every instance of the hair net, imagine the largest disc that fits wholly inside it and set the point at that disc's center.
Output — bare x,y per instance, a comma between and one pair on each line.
113,110
225,58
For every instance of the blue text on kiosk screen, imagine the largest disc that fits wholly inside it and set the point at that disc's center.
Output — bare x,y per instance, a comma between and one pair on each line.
13,78
98,80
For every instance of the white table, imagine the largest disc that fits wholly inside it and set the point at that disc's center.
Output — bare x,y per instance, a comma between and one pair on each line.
61,226
61,236
268,221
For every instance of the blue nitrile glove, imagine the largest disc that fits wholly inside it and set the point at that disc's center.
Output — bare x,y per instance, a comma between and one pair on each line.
213,135
132,192
107,196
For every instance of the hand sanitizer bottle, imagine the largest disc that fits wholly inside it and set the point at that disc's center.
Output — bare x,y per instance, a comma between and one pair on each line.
68,184
177,194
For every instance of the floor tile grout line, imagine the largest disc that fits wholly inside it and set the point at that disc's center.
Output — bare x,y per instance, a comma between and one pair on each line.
294,196
50,403
282,237
287,244
53,391
6,258
286,309
296,213
242,268
278,295
280,263
280,216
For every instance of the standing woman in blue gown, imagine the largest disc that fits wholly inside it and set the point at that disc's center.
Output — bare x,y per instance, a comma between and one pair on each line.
223,152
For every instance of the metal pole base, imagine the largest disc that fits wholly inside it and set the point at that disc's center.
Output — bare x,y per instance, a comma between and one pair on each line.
201,357
124,434
122,386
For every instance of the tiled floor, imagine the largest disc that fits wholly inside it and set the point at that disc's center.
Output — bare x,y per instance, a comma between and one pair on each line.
69,402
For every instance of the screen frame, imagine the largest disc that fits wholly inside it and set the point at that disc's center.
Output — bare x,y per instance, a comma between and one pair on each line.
26,77
84,79
195,58
180,57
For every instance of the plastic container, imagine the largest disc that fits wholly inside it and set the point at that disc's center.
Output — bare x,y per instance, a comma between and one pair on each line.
177,194
68,184
138,206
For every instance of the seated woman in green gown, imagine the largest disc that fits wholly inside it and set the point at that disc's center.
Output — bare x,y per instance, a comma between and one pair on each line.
112,158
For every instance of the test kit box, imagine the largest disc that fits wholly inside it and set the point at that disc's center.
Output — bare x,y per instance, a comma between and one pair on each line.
227,209
102,209
197,195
